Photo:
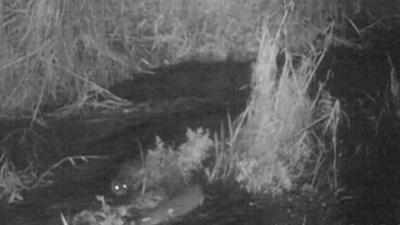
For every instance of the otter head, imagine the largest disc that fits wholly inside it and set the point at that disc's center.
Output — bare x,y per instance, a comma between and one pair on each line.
119,187
128,180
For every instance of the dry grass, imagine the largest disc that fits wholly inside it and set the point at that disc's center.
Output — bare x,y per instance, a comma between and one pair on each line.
64,53
13,182
58,53
223,155
277,139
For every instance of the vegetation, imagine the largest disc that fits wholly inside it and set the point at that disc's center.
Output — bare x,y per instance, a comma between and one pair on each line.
278,137
14,183
63,55
160,163
59,57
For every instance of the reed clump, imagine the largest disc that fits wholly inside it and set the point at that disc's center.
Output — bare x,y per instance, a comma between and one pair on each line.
280,132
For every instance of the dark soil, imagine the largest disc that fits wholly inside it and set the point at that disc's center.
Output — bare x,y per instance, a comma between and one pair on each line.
369,134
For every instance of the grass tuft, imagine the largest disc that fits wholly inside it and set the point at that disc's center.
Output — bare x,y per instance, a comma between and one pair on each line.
12,182
277,140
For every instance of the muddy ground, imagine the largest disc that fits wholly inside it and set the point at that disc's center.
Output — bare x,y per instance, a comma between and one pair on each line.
196,94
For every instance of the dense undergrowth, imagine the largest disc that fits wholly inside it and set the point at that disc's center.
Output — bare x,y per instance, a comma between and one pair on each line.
61,56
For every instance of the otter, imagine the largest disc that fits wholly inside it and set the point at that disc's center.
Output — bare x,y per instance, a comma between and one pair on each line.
135,176
129,178
179,194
